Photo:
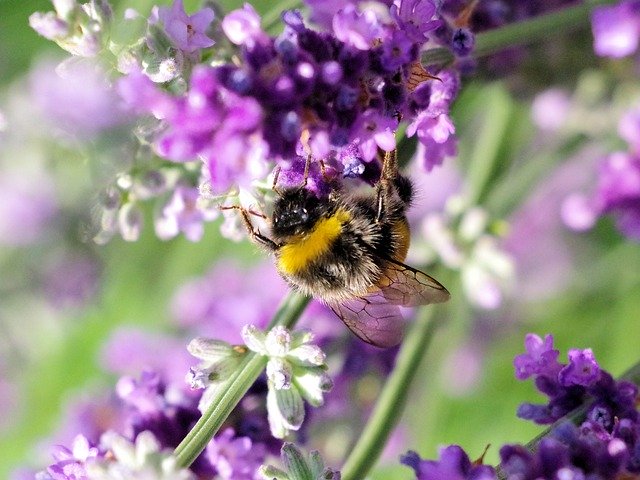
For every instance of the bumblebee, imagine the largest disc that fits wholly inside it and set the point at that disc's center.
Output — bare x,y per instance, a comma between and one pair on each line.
348,249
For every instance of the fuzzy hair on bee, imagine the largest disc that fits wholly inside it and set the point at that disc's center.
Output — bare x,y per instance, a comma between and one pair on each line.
348,249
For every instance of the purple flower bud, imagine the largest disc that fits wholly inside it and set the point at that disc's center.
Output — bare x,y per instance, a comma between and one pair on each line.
582,369
462,41
331,72
186,31
540,359
242,26
454,464
616,29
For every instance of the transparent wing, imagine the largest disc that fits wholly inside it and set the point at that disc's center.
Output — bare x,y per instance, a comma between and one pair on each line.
372,318
403,285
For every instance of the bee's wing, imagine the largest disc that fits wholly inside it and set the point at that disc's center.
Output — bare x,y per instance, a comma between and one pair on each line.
372,318
403,285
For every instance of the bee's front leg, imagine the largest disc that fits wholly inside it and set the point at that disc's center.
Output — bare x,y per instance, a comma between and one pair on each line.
254,233
385,187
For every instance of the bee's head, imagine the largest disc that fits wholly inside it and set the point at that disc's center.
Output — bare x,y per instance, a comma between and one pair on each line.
295,212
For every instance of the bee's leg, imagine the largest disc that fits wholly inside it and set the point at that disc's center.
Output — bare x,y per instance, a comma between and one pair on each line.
305,175
253,232
386,184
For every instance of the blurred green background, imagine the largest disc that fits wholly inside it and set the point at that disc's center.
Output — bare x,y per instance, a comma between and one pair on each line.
598,308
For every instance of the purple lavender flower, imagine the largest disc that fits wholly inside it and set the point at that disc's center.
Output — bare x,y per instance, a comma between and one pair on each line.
188,32
582,369
617,192
28,207
616,28
454,464
572,385
540,359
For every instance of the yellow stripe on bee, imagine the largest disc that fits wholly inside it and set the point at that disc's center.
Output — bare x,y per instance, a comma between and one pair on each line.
295,256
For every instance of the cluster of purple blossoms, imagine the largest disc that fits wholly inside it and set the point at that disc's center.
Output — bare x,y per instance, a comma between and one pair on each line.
337,95
617,191
605,446
149,407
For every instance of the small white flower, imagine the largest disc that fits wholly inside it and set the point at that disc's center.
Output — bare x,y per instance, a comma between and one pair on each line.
295,370
142,460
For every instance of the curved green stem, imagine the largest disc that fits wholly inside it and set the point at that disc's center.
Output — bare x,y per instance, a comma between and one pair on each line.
522,33
392,400
231,392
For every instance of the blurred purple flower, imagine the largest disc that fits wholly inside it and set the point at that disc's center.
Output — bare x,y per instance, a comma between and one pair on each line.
89,414
235,458
357,28
71,280
538,230
228,297
10,400
242,26
617,193
188,32
76,98
129,351
323,11
616,28
550,109
28,207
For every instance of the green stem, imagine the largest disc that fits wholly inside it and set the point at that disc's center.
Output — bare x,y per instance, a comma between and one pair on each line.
392,400
231,392
522,33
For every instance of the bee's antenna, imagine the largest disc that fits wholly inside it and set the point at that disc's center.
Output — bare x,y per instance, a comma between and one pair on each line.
305,175
274,186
